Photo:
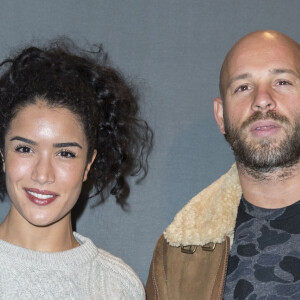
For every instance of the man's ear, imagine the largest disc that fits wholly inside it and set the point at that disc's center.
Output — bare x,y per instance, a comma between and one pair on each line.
88,166
219,113
3,161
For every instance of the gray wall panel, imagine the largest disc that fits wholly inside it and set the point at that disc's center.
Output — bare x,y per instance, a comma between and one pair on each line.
173,51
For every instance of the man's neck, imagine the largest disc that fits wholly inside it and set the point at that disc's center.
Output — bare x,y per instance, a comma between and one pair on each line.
276,189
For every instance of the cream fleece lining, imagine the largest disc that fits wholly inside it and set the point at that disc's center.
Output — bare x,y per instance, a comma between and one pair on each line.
210,216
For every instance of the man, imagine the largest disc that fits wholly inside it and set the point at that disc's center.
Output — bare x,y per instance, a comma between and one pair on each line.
240,237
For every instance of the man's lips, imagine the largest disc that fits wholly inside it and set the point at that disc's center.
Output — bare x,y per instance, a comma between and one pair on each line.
264,125
265,128
40,197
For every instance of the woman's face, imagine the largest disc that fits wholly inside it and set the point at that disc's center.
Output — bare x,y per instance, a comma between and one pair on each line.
44,163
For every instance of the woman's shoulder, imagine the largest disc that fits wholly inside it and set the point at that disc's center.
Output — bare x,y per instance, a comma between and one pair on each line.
117,267
114,273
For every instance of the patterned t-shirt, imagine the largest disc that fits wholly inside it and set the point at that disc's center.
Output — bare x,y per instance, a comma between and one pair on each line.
264,261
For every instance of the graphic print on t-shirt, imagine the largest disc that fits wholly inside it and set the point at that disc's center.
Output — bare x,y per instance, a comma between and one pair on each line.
264,261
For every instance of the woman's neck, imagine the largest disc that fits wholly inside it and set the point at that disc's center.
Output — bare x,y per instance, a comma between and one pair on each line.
53,238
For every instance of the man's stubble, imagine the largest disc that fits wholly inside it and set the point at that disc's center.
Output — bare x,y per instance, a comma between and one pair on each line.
268,154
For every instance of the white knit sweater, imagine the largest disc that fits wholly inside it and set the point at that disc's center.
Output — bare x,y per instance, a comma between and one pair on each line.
85,272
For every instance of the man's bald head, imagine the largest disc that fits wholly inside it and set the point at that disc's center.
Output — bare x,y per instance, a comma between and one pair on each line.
255,40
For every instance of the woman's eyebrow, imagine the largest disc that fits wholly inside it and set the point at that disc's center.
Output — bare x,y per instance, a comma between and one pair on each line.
70,144
56,145
27,141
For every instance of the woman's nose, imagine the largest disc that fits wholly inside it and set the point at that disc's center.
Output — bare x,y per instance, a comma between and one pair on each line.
43,171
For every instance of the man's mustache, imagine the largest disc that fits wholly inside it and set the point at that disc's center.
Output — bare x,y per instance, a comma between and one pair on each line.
258,115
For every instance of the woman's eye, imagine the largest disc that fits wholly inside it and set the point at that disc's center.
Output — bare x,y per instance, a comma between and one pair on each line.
66,154
23,149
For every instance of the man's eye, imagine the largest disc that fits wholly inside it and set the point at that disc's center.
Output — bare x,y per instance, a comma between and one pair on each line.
66,154
242,88
23,149
283,82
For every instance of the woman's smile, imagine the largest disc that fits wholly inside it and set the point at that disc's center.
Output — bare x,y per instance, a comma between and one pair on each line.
40,197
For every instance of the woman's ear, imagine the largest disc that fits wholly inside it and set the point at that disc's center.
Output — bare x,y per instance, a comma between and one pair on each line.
88,166
219,113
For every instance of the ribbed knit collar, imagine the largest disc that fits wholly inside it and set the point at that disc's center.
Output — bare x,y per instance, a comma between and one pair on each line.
53,260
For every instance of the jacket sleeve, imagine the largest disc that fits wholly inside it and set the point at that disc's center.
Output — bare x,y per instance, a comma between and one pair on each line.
156,287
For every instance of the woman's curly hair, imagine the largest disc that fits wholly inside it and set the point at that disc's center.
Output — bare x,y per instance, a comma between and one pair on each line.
81,81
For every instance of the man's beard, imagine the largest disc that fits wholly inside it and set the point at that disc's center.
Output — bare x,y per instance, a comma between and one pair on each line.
267,155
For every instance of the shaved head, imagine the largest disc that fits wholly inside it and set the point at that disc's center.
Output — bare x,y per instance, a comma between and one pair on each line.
255,40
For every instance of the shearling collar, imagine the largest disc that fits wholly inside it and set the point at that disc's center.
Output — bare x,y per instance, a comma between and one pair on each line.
210,215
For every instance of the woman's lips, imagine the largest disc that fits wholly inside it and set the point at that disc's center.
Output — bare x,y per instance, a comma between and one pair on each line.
40,197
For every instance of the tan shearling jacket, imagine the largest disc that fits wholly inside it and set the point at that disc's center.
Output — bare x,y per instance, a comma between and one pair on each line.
190,258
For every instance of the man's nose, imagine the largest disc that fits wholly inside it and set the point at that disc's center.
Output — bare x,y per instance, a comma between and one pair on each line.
43,171
263,100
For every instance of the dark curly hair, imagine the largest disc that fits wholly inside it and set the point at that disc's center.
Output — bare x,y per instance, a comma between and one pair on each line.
82,81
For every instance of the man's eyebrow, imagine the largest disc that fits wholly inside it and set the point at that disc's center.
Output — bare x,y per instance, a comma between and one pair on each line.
70,144
281,71
273,71
239,77
27,141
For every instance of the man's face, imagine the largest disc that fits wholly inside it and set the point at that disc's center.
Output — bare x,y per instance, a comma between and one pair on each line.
260,114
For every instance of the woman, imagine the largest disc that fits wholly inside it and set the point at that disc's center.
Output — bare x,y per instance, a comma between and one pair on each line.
64,118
